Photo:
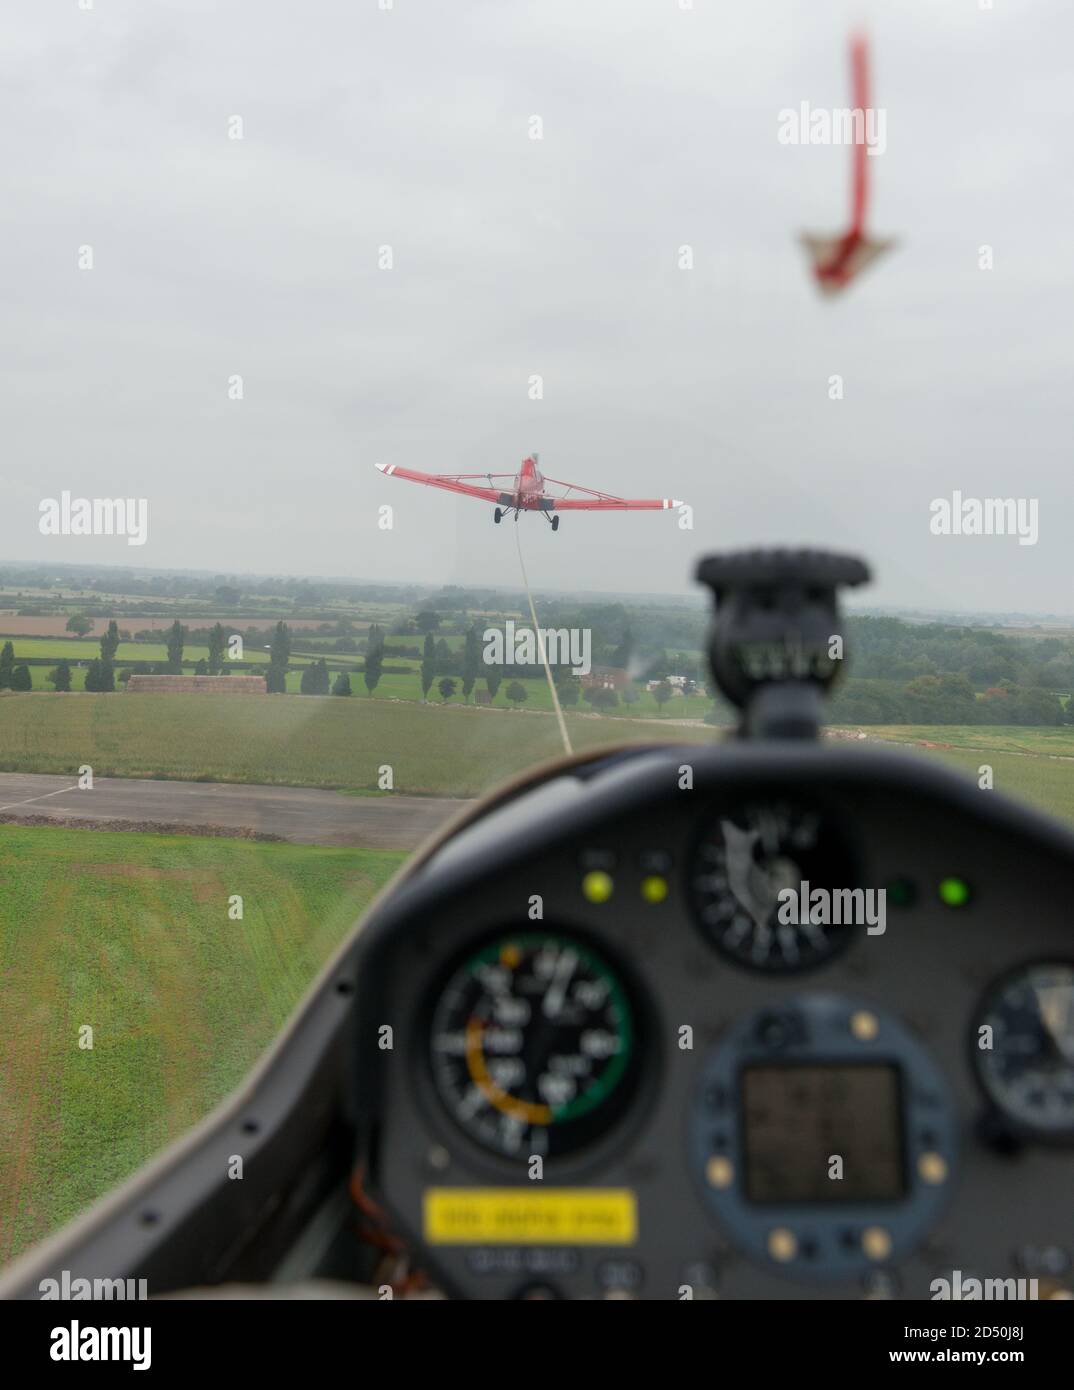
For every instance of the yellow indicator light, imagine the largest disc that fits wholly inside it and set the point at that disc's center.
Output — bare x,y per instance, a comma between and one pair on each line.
782,1244
597,886
654,889
864,1025
932,1168
719,1171
521,1216
510,956
876,1243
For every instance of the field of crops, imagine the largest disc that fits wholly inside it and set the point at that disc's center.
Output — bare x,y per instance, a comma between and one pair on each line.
301,741
130,935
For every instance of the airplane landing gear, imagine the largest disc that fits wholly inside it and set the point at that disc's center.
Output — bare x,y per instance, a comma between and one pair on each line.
555,523
497,516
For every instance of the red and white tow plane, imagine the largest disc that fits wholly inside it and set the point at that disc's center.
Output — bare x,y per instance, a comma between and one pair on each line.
527,491
838,259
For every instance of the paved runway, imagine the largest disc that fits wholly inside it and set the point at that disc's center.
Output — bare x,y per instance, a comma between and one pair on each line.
300,814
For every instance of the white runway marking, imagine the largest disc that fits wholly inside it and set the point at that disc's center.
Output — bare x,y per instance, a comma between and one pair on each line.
44,796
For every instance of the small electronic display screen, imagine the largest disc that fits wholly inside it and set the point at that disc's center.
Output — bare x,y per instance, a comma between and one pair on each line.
798,1120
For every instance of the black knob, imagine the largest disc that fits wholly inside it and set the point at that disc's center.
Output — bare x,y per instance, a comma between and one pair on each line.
776,643
818,569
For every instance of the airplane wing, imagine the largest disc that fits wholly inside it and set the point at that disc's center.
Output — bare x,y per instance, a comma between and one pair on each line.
592,501
453,482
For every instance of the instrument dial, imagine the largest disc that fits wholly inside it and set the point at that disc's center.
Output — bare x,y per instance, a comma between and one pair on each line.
1023,1048
744,861
533,1045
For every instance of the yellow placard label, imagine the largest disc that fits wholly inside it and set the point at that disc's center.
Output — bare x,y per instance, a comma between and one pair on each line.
529,1216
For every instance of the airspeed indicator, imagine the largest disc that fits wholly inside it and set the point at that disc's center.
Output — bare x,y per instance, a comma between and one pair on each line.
533,1045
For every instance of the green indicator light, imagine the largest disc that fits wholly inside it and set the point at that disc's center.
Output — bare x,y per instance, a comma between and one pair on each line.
597,886
901,892
955,892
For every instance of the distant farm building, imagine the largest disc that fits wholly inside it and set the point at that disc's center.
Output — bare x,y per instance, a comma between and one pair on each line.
605,678
678,684
204,685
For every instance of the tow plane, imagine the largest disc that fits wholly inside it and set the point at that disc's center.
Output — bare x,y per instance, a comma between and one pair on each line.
528,491
837,260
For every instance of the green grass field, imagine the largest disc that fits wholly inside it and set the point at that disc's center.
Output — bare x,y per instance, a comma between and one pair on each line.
453,751
1050,741
1046,784
130,935
87,648
1035,764
301,741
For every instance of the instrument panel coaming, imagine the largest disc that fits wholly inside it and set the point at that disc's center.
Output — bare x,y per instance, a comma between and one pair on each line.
990,1204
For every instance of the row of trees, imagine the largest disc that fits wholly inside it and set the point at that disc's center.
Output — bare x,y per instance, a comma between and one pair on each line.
435,656
654,637
946,699
655,640
316,681
928,697
175,640
893,650
570,690
316,678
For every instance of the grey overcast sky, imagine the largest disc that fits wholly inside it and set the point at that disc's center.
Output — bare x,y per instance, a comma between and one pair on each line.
409,127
